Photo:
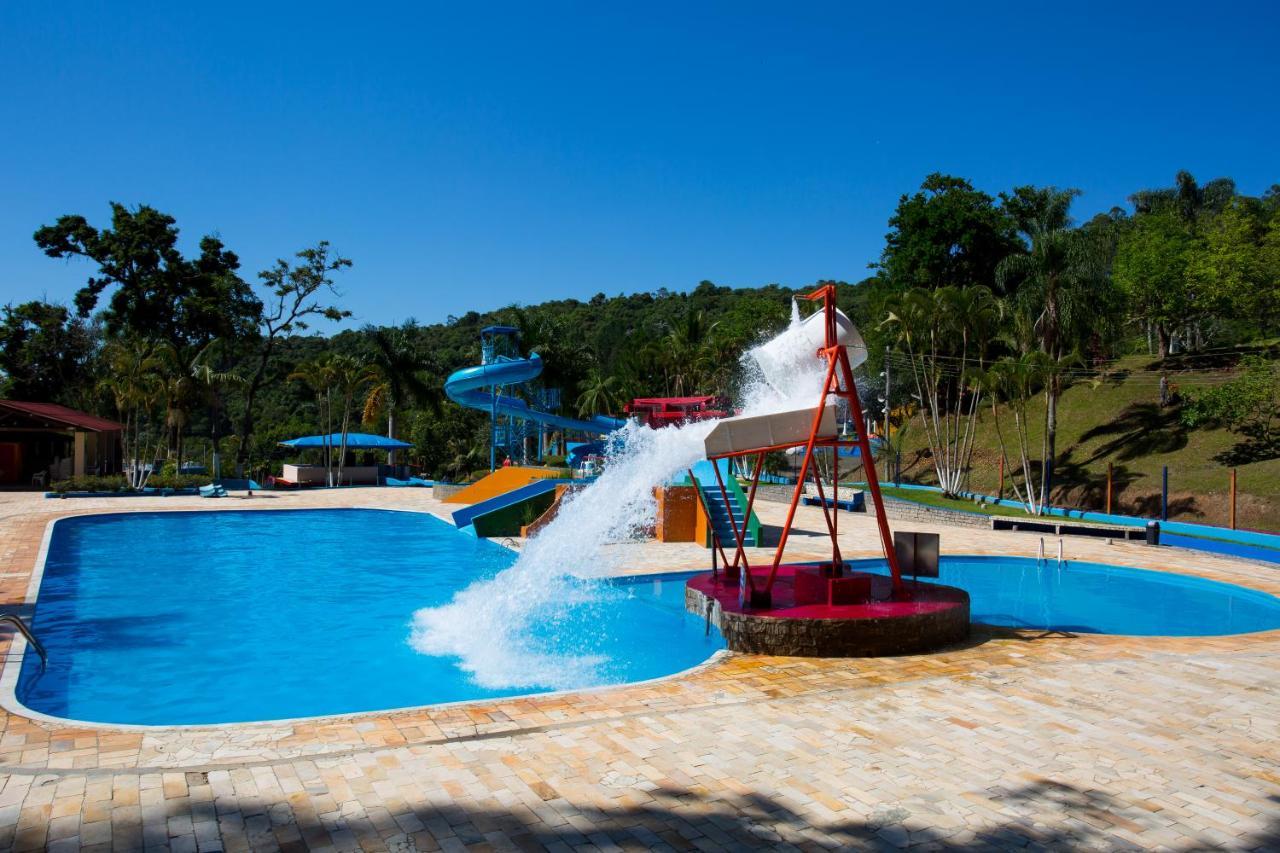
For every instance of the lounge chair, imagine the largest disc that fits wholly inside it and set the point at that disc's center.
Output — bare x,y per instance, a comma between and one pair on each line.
213,490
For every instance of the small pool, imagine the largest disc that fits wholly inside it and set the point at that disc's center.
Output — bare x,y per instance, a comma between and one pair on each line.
1097,598
230,616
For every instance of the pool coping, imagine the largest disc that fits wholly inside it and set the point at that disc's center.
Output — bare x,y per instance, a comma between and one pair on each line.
12,670
16,654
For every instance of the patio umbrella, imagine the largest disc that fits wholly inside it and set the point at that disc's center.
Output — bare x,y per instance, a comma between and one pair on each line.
355,441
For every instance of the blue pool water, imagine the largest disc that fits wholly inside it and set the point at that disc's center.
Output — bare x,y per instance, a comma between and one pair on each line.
213,617
1102,599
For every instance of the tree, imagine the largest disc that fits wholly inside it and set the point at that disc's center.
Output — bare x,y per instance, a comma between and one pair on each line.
293,303
598,394
158,293
1248,405
318,375
46,354
948,234
1187,199
1151,269
1013,381
133,371
1228,264
1062,287
177,390
400,367
943,335
211,384
350,376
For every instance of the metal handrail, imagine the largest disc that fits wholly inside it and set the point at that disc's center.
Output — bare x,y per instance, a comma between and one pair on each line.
26,633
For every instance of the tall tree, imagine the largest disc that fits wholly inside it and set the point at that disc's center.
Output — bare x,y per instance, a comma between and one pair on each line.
46,354
211,384
133,379
319,376
401,368
947,234
1062,286
1229,263
942,338
158,292
298,294
351,376
1151,268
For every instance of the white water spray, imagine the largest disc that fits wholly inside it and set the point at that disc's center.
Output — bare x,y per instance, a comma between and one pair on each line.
502,629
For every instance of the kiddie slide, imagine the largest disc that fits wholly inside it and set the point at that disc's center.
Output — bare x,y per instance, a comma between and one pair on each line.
466,387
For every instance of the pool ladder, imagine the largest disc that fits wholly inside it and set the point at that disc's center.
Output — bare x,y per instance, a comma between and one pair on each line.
26,633
1040,556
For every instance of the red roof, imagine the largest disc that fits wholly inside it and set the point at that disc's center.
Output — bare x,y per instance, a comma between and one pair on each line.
60,414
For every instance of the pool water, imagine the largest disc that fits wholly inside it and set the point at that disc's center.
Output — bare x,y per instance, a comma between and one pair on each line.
231,616
1097,598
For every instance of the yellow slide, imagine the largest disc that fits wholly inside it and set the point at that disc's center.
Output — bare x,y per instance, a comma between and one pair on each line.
500,482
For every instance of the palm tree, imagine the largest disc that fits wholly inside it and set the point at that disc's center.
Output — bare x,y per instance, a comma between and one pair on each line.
400,366
599,394
132,381
176,387
1062,285
318,375
944,335
350,377
1013,381
212,383
690,352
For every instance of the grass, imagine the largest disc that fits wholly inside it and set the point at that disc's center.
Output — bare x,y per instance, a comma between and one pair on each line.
1119,421
936,500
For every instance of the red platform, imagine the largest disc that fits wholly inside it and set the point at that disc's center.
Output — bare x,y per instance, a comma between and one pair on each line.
924,617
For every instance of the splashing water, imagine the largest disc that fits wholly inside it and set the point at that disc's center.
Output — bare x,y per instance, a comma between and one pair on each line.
502,629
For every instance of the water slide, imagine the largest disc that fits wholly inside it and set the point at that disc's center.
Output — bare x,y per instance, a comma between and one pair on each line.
466,387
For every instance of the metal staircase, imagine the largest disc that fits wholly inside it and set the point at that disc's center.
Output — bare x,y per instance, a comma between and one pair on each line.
718,514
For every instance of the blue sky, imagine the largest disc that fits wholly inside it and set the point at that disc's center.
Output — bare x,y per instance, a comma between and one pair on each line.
469,158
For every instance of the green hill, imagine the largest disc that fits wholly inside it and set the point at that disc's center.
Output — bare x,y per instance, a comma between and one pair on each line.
1120,421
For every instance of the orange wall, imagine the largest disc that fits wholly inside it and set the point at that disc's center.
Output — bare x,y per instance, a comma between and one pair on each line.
499,483
678,512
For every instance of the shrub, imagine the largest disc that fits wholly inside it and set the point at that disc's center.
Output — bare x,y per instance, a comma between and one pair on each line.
177,481
90,483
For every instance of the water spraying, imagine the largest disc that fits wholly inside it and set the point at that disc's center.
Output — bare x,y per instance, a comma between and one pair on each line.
487,626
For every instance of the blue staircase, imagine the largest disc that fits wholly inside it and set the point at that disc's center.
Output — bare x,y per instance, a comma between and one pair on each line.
718,514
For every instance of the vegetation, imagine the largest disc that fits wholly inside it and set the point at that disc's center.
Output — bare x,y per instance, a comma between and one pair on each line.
1002,322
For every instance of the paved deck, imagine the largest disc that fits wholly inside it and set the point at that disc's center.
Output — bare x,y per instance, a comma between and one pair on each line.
1015,740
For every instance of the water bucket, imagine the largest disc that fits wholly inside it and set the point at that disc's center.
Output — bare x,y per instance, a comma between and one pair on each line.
778,357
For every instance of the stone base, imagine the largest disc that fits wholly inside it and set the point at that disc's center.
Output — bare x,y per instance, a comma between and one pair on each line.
927,618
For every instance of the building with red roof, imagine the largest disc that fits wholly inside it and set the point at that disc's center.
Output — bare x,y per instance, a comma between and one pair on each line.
43,442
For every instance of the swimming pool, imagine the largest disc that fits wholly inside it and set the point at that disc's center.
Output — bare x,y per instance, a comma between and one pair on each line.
179,618
1097,598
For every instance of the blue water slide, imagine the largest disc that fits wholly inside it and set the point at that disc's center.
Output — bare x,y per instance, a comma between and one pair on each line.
466,387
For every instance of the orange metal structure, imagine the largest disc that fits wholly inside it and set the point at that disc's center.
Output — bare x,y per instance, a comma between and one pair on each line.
838,383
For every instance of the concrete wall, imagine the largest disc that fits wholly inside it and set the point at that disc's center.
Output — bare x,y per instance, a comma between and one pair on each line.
894,508
444,491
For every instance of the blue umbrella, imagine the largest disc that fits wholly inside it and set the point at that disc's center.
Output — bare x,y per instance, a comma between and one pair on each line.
355,441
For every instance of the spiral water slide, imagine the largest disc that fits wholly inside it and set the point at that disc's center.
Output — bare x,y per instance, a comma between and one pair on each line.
467,387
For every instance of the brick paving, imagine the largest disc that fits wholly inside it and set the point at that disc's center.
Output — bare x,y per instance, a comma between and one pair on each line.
1015,740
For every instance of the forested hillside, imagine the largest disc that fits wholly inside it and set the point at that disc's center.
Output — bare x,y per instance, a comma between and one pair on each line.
1004,324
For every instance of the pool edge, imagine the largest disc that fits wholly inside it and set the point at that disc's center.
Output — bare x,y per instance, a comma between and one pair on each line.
12,671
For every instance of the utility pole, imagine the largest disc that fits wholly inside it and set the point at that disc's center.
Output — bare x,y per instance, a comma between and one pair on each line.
887,405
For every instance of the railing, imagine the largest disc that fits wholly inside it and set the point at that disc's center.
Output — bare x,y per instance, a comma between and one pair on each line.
26,632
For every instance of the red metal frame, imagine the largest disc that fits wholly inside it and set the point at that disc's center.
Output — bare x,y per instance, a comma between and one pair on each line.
838,383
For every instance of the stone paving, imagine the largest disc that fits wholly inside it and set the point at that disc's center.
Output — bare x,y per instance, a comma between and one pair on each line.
1014,740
